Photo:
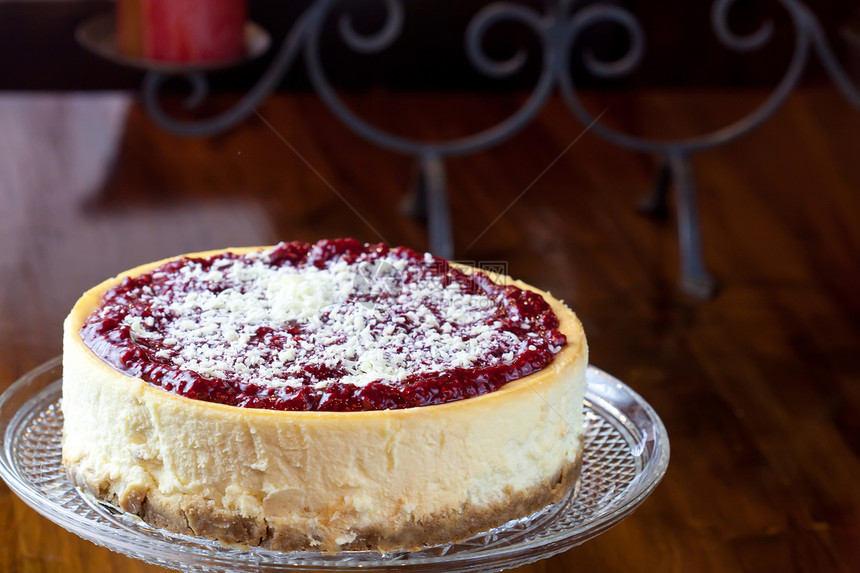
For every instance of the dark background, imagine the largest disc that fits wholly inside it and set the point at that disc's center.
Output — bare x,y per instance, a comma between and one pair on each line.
39,52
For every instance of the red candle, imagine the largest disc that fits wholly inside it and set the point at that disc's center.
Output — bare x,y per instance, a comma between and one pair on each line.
185,31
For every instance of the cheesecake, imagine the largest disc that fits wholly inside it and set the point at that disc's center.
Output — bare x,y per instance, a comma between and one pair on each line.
326,397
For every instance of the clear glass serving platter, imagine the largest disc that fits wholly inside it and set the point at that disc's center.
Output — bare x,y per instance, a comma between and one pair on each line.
626,454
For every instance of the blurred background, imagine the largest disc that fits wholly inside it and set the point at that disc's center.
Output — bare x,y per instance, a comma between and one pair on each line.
429,54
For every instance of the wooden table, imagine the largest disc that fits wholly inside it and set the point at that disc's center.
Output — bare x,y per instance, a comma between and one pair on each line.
758,388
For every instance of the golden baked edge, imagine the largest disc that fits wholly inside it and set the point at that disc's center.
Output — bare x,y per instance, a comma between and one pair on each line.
382,480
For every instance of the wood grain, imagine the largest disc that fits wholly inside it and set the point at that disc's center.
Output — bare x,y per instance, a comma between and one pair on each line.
758,388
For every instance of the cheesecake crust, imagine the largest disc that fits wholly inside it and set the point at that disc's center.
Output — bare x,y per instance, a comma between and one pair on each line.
197,516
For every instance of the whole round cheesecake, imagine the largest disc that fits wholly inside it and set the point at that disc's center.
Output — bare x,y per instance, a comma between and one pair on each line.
335,396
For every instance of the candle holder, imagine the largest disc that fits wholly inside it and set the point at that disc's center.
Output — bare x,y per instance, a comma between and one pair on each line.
99,36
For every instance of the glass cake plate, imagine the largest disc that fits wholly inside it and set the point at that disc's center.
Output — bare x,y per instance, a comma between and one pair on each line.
626,454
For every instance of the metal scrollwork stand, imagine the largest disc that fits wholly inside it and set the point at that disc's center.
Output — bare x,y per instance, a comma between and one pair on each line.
557,29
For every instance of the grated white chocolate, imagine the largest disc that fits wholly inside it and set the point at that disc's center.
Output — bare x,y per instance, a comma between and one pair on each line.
363,321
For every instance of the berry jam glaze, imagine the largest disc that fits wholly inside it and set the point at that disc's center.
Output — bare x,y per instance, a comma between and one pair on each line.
337,326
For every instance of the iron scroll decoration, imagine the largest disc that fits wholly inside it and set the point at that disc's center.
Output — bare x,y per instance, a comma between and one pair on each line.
557,28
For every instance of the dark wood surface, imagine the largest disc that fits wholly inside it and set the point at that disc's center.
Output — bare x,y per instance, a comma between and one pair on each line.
758,388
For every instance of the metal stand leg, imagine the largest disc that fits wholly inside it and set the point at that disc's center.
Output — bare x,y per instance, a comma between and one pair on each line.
414,205
695,279
656,204
431,184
